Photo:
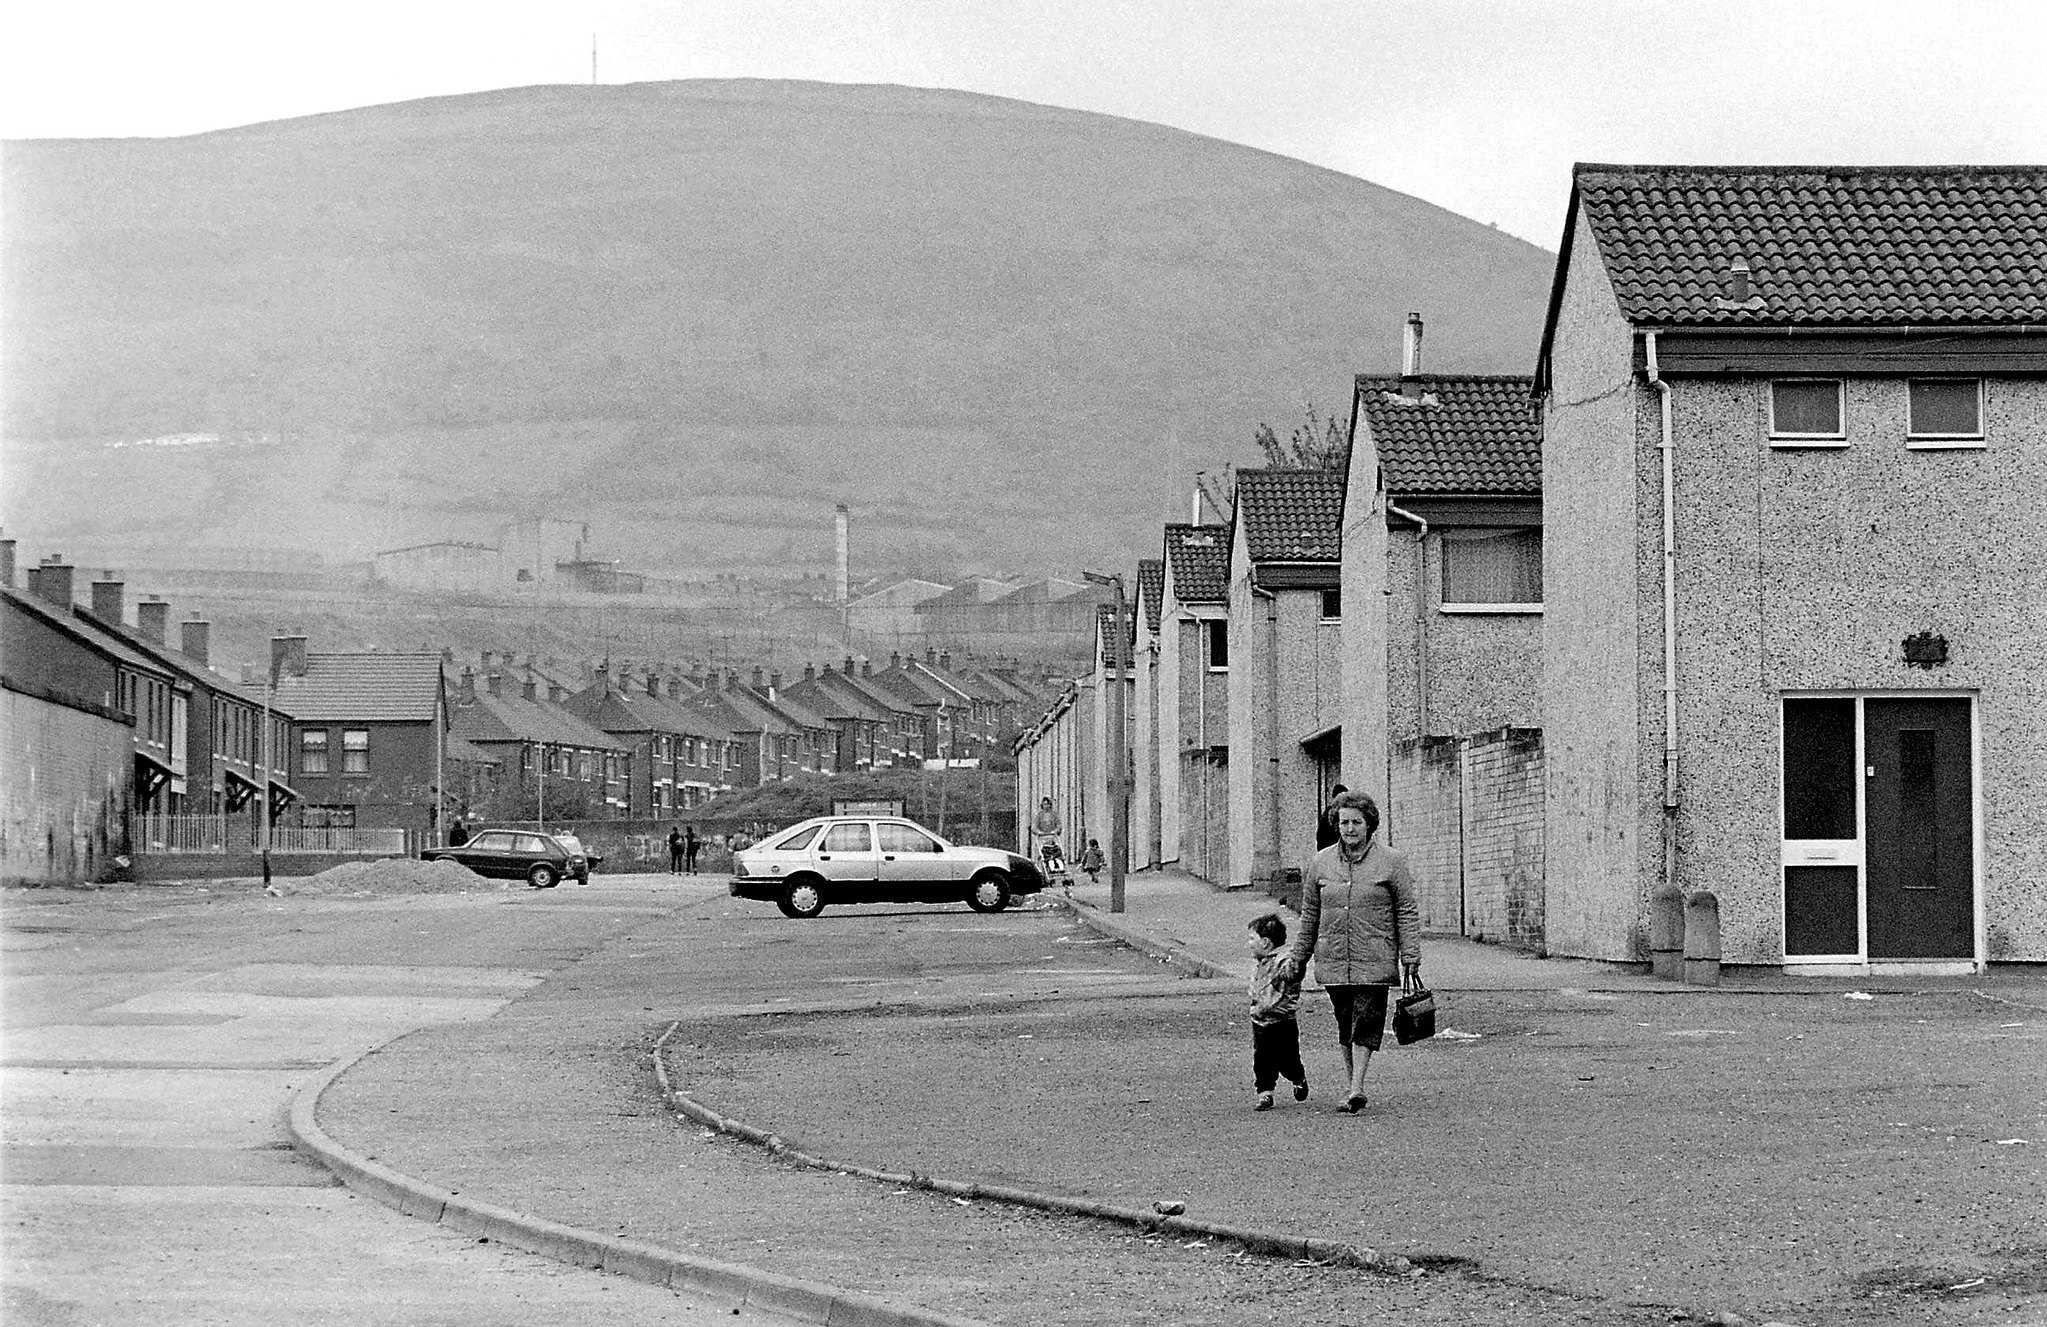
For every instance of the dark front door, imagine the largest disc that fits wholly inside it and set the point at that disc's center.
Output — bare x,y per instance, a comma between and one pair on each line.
1919,812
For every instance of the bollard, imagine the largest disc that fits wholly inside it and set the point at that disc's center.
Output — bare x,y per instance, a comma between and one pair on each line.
1702,939
1667,933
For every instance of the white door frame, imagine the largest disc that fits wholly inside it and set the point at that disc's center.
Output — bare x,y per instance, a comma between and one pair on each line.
1851,852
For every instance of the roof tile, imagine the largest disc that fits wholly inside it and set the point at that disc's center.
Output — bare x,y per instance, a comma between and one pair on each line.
1825,245
1460,434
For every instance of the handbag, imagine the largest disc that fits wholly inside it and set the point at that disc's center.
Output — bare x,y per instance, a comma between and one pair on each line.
1414,1017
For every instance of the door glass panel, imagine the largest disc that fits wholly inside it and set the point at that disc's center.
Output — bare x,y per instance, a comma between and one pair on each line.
1918,809
1819,768
847,838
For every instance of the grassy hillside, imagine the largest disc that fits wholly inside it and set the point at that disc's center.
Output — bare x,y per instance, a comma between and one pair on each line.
698,314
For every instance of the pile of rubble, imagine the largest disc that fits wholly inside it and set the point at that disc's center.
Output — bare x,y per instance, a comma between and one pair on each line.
396,875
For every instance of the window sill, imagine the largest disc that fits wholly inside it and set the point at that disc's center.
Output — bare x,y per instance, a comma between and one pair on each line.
1790,444
1525,609
1944,444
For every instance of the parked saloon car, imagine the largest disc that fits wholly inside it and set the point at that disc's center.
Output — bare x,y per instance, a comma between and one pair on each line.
876,859
541,860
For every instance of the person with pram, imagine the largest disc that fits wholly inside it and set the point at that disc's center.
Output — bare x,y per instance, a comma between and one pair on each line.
1046,830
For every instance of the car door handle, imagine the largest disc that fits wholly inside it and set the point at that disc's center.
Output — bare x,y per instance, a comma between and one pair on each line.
824,856
888,857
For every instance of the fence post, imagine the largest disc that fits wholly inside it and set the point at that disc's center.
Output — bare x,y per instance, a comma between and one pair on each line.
1702,939
1667,933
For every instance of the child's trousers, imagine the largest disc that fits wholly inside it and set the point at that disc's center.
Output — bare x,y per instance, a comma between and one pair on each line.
1276,1054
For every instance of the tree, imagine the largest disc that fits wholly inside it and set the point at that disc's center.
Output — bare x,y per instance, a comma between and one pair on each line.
1317,443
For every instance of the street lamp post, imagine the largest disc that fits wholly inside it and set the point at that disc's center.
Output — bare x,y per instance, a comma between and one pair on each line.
1119,746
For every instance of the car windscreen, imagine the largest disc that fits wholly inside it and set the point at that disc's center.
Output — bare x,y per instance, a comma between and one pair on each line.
797,840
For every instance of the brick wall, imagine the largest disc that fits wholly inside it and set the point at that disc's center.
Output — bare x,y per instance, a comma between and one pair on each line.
1468,812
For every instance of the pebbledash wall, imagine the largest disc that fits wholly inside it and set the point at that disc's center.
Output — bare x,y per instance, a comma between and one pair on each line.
1468,813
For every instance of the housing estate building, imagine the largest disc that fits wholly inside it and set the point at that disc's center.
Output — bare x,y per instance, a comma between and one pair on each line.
1795,635
671,745
1144,725
1442,640
551,764
1285,666
1194,700
368,736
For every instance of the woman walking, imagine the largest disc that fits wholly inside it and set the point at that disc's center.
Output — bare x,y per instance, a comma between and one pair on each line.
1360,921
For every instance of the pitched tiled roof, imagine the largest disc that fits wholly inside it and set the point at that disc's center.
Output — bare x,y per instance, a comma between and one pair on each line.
517,719
1151,583
1291,515
1200,558
1459,435
1825,245
339,687
1105,632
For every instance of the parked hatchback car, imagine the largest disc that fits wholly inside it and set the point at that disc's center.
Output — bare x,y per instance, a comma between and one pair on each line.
541,860
876,859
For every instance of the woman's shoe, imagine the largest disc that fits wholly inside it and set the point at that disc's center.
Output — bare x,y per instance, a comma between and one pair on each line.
1264,1101
1352,1105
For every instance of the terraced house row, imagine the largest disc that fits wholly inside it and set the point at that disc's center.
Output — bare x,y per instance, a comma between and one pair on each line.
1743,590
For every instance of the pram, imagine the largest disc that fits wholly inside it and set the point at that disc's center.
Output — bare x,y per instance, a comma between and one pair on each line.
1056,870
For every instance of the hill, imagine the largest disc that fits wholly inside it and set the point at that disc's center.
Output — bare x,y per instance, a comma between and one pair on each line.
696,315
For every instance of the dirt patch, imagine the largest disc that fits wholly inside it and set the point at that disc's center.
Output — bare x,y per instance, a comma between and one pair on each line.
398,875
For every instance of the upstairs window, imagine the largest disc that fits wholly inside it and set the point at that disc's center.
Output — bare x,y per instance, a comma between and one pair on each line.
1218,630
355,751
1492,571
1332,605
1945,411
313,751
1807,410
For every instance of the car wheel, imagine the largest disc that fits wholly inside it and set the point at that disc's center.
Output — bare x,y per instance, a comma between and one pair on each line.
802,898
541,876
989,893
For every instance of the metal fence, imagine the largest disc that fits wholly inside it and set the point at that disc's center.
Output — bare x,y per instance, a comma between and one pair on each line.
239,834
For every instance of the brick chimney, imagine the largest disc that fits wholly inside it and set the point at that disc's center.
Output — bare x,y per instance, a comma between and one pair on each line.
193,639
945,660
494,682
109,600
53,582
7,563
465,689
810,672
554,693
867,668
152,615
653,685
756,677
288,656
529,690
675,688
895,658
848,669
930,654
774,685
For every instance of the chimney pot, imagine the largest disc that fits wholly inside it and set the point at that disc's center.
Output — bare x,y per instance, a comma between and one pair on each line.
288,656
194,638
109,601
152,615
1411,347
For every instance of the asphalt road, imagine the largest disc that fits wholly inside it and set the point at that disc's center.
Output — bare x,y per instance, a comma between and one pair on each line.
1589,1158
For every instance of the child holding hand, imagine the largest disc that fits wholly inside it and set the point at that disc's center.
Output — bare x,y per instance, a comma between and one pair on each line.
1275,995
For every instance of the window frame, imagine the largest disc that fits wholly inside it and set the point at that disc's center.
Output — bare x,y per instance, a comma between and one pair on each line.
1215,629
1503,608
1327,596
350,751
1936,442
1780,438
308,747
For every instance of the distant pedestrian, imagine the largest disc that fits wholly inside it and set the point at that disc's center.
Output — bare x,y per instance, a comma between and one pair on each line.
458,833
1092,861
1325,824
690,844
675,850
1275,1032
1046,830
1360,920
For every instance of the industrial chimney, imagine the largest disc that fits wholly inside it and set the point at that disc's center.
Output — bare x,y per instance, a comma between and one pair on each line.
845,569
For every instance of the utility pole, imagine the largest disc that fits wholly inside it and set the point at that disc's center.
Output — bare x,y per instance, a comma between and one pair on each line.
1119,742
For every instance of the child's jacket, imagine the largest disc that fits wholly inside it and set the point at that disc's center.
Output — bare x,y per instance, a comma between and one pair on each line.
1273,998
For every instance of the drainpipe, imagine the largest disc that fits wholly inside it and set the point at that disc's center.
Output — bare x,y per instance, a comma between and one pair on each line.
1421,620
1272,871
1666,446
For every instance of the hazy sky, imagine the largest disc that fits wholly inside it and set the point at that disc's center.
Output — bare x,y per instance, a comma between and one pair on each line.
1480,107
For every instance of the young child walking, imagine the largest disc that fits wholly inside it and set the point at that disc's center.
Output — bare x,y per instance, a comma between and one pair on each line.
1275,1034
1092,861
